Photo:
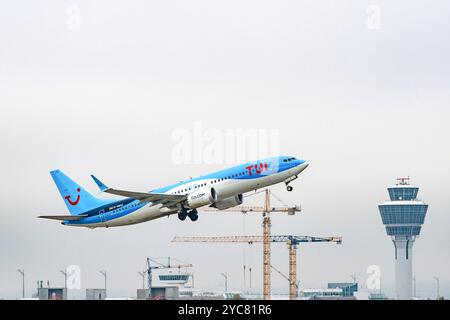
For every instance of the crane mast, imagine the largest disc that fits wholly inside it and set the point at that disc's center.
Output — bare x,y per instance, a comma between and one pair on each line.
266,247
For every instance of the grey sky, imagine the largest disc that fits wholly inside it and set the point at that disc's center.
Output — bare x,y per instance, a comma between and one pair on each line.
363,106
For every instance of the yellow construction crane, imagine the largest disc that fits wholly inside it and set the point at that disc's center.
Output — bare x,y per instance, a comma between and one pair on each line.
266,224
291,241
296,285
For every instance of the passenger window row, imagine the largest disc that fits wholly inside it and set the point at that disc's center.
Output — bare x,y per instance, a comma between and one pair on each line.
212,182
126,207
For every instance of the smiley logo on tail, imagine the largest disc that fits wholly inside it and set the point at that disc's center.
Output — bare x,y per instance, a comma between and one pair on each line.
73,203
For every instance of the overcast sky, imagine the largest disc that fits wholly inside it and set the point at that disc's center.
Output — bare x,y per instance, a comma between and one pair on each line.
360,89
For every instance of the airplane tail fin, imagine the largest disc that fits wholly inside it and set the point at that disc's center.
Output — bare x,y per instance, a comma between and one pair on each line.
77,199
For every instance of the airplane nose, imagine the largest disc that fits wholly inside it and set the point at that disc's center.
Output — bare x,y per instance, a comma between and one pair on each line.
303,165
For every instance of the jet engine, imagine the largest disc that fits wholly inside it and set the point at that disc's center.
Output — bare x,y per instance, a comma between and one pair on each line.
228,202
202,197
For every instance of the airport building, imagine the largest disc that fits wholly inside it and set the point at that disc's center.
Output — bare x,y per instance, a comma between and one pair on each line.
169,286
52,293
348,288
95,294
334,291
403,216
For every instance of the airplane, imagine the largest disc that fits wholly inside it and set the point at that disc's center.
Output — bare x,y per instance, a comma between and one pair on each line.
222,190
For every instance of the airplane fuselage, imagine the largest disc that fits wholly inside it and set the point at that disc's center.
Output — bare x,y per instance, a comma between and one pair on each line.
227,183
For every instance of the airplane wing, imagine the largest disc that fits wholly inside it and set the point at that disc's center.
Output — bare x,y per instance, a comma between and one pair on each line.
168,200
148,196
65,217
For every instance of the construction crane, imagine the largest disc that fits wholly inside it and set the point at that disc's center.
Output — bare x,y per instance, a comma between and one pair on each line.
291,241
266,224
297,285
159,265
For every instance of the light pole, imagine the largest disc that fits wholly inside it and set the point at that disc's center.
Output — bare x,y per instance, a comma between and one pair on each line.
103,272
142,274
65,278
22,272
414,288
225,275
437,287
380,286
245,283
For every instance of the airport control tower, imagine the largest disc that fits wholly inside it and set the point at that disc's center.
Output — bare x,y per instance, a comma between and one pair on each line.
403,217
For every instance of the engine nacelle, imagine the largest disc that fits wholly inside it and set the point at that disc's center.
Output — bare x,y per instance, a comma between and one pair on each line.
202,197
229,202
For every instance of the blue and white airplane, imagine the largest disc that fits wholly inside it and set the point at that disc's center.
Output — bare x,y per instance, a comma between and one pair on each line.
222,190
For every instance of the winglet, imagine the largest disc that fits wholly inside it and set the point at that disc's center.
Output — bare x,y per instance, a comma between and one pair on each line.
100,184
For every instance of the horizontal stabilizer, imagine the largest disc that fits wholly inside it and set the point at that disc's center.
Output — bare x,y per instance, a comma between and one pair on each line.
65,217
